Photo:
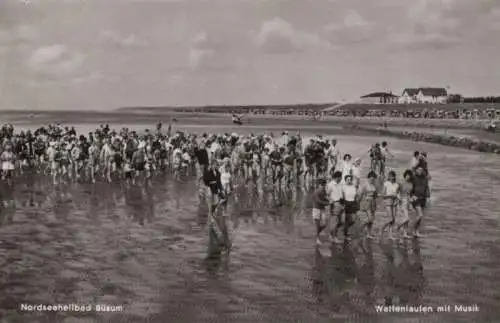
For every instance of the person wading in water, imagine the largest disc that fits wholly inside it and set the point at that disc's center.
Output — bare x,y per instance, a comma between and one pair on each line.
368,202
215,195
391,195
421,195
336,197
320,202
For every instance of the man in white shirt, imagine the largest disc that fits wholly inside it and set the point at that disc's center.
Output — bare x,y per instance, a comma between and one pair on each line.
415,161
214,147
269,144
284,139
106,152
385,156
332,155
335,195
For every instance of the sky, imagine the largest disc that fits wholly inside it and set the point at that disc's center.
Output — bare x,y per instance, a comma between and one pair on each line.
106,54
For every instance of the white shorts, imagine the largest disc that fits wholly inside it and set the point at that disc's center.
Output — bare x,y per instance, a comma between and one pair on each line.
318,214
7,165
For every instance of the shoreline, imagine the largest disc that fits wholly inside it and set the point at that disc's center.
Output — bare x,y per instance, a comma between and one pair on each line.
440,139
201,118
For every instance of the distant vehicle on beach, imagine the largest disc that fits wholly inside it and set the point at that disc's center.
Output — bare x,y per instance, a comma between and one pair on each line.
492,127
237,119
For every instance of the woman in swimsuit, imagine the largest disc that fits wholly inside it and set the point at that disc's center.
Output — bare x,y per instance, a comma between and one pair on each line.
391,199
368,202
406,202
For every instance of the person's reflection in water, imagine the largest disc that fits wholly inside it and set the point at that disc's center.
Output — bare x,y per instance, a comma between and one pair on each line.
27,198
202,214
288,212
39,193
391,294
62,203
343,274
8,193
134,202
215,245
150,204
366,274
7,207
216,263
415,274
244,211
318,277
94,200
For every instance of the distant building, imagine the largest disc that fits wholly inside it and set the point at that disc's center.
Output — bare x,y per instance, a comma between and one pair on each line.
423,95
409,96
432,95
379,98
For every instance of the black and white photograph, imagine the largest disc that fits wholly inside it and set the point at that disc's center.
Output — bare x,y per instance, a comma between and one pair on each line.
253,161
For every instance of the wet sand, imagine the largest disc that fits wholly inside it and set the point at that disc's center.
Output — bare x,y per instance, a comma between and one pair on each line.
145,249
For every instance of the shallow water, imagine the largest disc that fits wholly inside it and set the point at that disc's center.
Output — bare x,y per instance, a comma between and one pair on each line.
145,249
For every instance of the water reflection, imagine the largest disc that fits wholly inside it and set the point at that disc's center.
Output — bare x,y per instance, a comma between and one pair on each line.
404,274
335,275
216,263
277,232
36,194
346,278
366,272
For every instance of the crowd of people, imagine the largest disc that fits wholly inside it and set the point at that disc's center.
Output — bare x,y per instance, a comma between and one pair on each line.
221,162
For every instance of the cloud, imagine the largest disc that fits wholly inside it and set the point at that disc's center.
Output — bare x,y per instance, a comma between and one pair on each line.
208,53
206,41
425,41
354,20
201,51
87,78
197,57
55,60
112,37
278,36
352,29
428,25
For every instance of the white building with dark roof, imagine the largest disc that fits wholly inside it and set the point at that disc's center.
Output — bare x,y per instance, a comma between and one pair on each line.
379,98
424,95
432,95
409,95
